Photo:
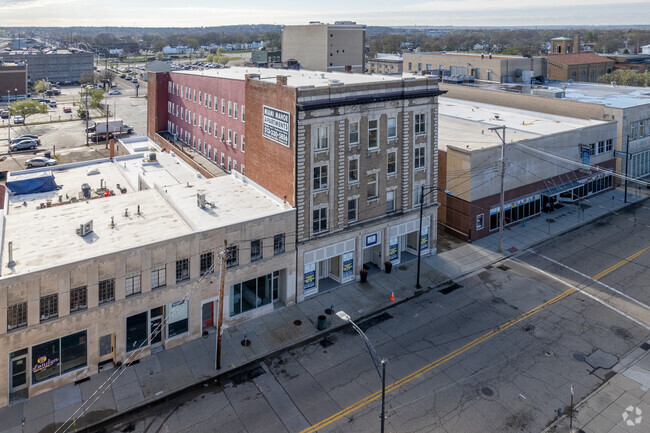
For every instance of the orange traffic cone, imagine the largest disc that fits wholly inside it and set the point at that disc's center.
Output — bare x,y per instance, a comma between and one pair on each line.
392,296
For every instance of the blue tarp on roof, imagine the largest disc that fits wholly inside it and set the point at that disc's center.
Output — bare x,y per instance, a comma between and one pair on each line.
41,182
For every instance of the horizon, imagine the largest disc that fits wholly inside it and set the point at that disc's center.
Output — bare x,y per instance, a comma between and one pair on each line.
380,13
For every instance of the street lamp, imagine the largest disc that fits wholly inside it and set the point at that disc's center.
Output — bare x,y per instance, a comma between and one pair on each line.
429,189
8,118
375,357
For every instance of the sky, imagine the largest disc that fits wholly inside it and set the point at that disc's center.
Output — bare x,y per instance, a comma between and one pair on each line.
207,13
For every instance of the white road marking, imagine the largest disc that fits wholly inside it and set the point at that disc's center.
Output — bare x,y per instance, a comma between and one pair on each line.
618,292
595,298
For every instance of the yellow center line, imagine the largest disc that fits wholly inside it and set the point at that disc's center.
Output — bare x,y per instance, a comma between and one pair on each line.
406,379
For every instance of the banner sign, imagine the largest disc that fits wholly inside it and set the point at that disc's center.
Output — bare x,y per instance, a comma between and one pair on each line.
392,249
348,265
310,276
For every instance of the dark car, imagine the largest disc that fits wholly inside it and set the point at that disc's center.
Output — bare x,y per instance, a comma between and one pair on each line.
4,114
123,76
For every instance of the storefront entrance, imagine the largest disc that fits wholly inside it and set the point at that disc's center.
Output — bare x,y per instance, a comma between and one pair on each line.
156,328
18,385
403,241
372,250
329,267
208,315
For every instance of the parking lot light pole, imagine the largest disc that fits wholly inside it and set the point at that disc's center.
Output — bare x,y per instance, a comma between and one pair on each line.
375,357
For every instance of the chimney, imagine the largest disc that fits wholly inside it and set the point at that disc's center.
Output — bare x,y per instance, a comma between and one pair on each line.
10,247
576,44
111,151
281,80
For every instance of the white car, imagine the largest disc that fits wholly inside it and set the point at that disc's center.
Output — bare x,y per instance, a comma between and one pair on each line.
115,92
40,161
19,119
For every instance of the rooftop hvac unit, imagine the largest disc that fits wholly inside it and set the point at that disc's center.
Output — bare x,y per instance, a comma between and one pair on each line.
200,200
85,228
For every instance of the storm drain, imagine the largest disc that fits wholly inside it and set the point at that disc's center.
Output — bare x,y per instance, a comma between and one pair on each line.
645,346
449,289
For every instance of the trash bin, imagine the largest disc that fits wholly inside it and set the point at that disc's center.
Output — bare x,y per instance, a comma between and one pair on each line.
388,266
322,322
47,154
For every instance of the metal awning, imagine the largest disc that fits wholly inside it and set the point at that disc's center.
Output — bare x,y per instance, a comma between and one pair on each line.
559,189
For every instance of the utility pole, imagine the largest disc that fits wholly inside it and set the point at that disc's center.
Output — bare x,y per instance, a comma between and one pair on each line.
627,163
221,290
87,113
106,109
8,118
502,211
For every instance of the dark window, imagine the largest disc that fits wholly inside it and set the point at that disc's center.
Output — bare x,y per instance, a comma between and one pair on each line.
372,134
420,124
49,307
17,316
73,352
106,290
319,220
136,331
232,256
182,270
278,244
45,360
256,250
178,322
254,293
78,297
207,263
352,210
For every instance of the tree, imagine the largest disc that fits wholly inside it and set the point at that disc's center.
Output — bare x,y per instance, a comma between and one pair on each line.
210,58
107,76
41,86
222,59
27,107
87,78
160,55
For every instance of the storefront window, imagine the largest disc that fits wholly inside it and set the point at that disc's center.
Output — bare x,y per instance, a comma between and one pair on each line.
136,331
253,293
59,356
178,323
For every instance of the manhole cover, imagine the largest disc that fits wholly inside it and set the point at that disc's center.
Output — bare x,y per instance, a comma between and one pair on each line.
245,342
329,311
297,322
529,328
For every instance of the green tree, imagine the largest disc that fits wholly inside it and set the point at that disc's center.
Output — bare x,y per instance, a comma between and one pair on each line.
222,59
27,107
41,86
210,58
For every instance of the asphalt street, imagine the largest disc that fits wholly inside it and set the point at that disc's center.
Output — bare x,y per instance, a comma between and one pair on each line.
497,352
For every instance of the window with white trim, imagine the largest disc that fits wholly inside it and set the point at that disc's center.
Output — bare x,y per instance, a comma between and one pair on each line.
158,274
223,106
320,178
234,107
371,186
419,159
229,137
234,139
609,144
243,144
320,138
352,210
319,220
390,201
391,165
132,284
353,170
229,108
216,103
420,124
243,113
373,134
353,134
392,127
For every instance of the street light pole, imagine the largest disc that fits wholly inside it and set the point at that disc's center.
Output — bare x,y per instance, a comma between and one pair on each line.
422,196
375,357
502,211
8,118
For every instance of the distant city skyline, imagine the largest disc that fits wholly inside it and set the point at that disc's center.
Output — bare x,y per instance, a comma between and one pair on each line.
168,13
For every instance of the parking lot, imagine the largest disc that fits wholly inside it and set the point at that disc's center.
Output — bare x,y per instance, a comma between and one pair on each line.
63,134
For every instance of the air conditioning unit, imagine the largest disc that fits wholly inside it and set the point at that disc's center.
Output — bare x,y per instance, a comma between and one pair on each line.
200,200
85,228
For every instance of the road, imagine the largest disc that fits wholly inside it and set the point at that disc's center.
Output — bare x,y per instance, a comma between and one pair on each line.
68,138
498,353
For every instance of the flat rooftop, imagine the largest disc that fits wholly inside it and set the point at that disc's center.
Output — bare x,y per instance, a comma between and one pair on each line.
472,55
43,225
466,124
299,78
605,94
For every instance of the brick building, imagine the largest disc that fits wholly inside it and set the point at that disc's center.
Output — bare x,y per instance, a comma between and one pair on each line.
350,152
586,67
13,80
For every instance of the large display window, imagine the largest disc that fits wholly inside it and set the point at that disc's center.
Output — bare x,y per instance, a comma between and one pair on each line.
59,356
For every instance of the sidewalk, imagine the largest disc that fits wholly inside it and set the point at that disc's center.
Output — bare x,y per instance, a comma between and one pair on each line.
112,392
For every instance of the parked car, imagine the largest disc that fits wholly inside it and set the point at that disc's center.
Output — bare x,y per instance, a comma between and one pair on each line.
53,104
19,119
135,80
127,128
115,92
129,78
27,137
23,145
40,161
101,137
123,76
4,114
67,110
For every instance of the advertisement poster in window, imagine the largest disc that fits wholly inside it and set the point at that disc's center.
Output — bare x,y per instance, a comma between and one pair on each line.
424,239
310,276
392,249
585,153
348,265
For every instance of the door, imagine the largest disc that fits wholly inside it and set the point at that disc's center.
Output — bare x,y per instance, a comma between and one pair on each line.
156,328
106,348
18,373
207,315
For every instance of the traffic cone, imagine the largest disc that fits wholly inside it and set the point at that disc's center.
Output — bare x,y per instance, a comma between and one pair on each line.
392,296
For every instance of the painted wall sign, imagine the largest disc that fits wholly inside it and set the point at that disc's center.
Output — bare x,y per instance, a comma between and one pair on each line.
275,125
371,240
